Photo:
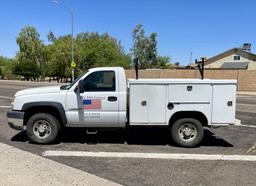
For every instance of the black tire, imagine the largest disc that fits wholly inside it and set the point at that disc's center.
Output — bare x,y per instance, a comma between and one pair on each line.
179,136
50,121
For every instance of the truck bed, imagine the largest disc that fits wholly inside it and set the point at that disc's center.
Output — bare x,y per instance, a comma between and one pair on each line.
155,101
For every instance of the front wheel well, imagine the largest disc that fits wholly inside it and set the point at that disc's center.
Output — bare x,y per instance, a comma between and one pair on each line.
189,114
29,112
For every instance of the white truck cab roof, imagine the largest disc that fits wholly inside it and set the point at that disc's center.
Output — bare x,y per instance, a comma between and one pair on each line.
105,68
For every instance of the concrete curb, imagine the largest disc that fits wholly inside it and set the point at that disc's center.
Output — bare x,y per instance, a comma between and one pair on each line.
19,167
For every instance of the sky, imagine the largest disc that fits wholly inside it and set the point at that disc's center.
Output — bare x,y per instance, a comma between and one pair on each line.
203,27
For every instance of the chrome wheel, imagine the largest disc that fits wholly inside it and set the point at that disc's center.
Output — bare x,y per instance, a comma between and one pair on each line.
187,132
42,129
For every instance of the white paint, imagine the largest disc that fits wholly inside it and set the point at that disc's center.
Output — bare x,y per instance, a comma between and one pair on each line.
250,126
5,106
4,97
168,156
237,122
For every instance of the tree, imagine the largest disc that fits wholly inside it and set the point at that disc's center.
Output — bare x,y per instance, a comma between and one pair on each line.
144,48
59,57
151,50
90,50
95,50
27,69
163,62
51,37
31,54
6,65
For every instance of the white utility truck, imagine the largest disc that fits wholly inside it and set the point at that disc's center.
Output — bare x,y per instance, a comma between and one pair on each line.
103,98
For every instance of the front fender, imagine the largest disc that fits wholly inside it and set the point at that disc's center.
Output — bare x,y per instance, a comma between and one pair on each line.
44,105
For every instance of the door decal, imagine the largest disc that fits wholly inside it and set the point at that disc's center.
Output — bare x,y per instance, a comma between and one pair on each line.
90,104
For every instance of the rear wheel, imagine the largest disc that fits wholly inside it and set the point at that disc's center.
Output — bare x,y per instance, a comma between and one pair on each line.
42,128
187,132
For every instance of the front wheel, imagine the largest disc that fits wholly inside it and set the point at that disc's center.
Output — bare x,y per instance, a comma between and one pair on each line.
187,132
42,128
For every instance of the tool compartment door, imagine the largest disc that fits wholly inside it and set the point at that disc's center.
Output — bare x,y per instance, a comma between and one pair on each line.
147,104
224,102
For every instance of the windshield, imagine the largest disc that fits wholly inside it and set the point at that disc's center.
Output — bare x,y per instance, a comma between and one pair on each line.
66,87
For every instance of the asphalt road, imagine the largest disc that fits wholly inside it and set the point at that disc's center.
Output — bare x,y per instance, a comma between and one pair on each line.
127,171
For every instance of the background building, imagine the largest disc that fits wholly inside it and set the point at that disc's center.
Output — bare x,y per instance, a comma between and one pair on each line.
235,58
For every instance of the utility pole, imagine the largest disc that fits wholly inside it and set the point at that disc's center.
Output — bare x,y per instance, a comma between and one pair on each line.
190,59
73,64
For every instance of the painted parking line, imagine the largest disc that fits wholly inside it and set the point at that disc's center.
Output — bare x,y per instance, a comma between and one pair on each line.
166,156
5,106
4,97
250,126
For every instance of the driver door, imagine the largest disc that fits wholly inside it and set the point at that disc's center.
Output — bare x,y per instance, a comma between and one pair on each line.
100,99
97,106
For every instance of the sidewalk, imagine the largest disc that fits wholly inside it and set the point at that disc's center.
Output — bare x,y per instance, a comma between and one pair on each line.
21,168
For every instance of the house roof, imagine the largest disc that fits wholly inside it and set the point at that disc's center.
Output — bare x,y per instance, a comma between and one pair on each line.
235,65
238,51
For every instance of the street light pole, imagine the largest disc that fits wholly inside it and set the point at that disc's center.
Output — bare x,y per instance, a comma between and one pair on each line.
72,34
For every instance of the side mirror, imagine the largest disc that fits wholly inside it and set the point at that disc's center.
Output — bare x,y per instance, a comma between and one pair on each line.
81,86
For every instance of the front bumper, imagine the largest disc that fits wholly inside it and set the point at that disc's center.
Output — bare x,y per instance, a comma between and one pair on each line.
15,119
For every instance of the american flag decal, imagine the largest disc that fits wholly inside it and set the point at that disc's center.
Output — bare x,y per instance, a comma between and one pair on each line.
92,104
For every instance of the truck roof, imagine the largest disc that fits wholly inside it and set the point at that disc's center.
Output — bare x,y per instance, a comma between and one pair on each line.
106,68
181,81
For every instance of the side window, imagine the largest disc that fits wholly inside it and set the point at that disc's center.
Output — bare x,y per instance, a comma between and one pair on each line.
100,81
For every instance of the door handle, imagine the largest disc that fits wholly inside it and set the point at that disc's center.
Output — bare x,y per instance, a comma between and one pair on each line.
112,98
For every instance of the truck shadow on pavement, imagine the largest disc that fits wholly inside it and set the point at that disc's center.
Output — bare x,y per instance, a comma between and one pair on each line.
138,136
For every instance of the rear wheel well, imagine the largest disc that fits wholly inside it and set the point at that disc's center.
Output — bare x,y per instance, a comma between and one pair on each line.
42,109
189,114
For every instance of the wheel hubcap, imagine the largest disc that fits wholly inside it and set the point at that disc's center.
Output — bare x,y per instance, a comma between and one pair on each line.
187,132
42,129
